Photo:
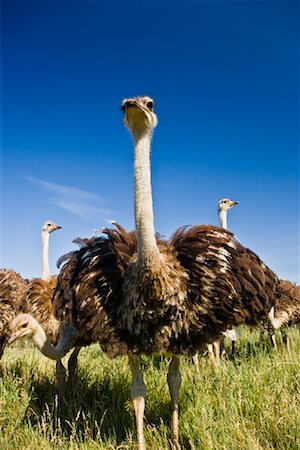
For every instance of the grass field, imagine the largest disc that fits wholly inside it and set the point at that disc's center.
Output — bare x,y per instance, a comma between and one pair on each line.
253,402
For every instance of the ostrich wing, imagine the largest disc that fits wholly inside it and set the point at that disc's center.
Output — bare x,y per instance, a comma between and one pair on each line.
89,288
228,283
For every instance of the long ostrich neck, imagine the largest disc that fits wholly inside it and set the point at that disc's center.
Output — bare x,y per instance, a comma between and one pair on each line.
46,275
64,344
223,218
143,207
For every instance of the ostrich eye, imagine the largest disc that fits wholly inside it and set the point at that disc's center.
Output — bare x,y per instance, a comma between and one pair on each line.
24,325
150,105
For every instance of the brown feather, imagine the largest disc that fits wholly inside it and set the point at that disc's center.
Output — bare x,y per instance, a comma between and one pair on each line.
37,301
288,304
206,281
12,287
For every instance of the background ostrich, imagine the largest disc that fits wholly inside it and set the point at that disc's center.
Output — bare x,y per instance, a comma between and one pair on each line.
286,311
12,288
38,298
223,207
136,294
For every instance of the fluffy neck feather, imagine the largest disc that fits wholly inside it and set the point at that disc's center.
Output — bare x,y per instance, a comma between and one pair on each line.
46,275
143,207
223,218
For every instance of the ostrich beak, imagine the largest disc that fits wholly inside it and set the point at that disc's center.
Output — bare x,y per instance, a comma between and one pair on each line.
234,203
55,227
14,336
128,104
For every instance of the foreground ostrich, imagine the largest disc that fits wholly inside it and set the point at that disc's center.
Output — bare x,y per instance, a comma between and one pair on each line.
286,311
136,294
12,288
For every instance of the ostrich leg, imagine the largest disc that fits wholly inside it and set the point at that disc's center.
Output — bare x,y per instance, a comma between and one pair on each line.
174,382
61,378
73,363
138,396
286,341
233,348
217,346
210,348
273,340
196,362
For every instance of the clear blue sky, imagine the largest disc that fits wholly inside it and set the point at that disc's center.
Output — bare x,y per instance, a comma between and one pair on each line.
224,75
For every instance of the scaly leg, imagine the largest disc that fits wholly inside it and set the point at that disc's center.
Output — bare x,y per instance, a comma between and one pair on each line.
138,396
174,382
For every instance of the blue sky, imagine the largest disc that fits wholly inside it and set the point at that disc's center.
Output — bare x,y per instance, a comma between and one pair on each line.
224,75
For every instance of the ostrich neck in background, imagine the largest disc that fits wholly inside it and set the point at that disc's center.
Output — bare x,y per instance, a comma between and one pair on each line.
46,275
143,207
223,218
67,338
44,345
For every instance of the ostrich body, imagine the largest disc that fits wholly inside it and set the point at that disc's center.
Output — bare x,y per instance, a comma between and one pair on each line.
12,288
286,311
136,294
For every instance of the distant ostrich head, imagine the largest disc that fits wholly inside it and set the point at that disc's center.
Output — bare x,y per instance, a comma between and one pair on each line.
50,226
22,325
139,114
226,204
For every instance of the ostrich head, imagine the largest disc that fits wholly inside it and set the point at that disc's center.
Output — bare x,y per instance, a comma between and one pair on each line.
138,114
226,204
22,325
49,226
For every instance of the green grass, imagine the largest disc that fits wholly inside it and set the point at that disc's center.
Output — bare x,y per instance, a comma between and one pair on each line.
252,403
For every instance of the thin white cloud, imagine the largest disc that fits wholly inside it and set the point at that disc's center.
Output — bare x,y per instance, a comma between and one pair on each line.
60,189
73,200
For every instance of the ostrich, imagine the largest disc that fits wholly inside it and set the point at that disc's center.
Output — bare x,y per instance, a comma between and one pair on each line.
37,301
38,296
223,207
286,311
136,294
12,288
